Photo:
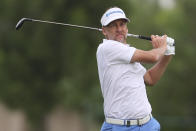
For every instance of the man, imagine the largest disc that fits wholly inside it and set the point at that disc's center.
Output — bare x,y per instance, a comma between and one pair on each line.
123,78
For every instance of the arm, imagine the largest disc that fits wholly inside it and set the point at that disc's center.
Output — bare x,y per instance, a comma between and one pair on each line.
154,74
151,56
154,55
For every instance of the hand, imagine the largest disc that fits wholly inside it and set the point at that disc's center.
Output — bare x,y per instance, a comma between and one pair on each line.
170,41
170,47
159,41
170,50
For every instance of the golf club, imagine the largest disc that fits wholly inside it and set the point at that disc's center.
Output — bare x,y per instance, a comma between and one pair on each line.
21,22
170,41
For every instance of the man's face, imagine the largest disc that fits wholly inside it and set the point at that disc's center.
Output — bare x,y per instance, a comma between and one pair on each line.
116,30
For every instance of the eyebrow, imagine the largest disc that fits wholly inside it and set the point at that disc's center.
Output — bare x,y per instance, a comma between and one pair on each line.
121,20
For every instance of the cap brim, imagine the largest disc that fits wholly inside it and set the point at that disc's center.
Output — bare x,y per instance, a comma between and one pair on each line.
113,19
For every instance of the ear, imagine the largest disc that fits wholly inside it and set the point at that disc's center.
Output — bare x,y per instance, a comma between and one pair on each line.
104,31
127,30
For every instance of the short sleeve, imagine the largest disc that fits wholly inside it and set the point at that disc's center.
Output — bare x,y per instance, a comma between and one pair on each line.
116,52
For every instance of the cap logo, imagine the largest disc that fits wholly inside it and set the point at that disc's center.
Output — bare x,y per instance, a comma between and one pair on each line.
113,13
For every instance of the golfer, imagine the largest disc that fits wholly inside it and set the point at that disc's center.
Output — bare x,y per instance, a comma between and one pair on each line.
123,79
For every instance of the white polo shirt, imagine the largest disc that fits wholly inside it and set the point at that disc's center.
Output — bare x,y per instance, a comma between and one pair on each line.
122,82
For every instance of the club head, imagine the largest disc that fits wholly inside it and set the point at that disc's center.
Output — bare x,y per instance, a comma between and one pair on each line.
21,21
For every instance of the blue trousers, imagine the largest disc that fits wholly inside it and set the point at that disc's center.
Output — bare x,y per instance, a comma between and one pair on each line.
152,125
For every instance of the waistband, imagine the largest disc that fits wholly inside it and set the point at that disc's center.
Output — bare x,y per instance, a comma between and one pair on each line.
141,121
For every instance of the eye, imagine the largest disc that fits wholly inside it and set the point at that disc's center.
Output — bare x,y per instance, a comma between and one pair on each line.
111,25
122,24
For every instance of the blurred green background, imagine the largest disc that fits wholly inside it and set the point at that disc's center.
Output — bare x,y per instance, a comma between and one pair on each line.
43,66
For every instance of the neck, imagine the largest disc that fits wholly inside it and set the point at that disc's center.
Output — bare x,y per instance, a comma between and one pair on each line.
124,42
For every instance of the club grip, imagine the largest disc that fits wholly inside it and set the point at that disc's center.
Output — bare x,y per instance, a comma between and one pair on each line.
144,37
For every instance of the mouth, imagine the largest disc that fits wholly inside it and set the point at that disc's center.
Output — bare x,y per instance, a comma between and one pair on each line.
119,36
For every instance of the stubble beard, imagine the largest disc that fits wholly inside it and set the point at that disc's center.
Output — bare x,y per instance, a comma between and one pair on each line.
122,40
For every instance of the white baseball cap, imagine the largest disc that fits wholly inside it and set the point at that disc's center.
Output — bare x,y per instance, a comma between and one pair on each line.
113,14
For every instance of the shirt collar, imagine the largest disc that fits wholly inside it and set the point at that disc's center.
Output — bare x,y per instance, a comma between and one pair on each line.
105,40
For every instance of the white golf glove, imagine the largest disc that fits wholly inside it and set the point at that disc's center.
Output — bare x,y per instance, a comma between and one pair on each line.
170,50
170,47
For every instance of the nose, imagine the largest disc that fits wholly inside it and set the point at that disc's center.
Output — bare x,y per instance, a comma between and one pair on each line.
118,28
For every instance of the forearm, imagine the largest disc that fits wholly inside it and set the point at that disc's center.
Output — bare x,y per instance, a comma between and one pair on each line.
158,52
154,74
154,55
151,56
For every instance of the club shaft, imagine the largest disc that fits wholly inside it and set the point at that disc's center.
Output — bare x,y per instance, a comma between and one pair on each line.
19,24
57,23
